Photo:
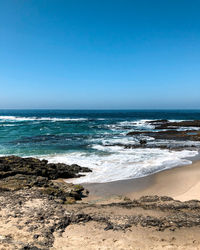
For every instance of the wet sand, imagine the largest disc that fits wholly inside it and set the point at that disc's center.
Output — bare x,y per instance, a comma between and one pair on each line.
182,183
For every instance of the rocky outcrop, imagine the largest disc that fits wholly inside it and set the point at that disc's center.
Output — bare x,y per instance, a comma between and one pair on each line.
175,147
18,173
143,142
166,145
12,165
166,130
192,135
159,212
165,124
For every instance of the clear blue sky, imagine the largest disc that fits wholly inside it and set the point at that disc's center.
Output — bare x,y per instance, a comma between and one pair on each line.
99,54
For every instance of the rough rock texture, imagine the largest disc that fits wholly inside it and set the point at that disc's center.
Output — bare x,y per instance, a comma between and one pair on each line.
30,198
29,219
171,131
163,131
165,124
18,173
160,146
13,165
161,212
32,220
192,135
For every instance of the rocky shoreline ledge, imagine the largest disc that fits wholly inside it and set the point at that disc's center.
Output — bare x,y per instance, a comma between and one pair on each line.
164,129
37,208
31,194
18,173
167,131
164,134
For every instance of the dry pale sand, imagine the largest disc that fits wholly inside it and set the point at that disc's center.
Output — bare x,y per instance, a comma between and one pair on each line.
92,236
182,183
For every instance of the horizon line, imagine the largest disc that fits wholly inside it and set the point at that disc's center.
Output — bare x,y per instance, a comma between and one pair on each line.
100,109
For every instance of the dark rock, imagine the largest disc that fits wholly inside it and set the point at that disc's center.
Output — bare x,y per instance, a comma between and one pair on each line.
143,142
160,146
166,198
157,121
28,247
108,227
192,135
171,133
12,165
149,198
165,124
18,173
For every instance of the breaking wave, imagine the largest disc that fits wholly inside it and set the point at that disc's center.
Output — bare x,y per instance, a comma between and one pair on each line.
16,118
120,163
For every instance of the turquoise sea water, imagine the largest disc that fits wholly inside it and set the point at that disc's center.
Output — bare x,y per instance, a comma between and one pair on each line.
91,138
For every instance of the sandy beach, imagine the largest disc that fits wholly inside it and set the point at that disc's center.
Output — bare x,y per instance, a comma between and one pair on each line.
160,211
100,125
181,183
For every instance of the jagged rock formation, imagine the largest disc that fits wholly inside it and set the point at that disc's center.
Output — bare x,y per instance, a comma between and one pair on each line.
192,135
165,124
18,173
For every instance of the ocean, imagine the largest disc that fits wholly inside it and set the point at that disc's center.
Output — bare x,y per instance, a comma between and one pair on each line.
94,139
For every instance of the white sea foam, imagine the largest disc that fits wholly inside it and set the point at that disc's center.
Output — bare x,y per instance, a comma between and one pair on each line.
178,120
144,125
130,125
18,118
110,161
140,124
119,140
7,125
120,163
188,128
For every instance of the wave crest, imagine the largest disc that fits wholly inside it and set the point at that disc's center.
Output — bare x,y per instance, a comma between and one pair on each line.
18,118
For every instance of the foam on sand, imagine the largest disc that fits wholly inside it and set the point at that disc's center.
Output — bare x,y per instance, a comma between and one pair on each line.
118,163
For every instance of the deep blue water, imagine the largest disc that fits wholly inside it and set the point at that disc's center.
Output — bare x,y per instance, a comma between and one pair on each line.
115,114
88,137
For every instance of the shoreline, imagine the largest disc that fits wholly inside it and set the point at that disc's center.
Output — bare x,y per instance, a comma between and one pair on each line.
181,183
40,211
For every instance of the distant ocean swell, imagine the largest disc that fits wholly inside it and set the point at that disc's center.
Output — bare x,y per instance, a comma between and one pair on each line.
17,118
